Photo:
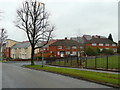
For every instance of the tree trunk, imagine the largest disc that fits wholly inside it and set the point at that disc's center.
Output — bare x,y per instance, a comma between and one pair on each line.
0,53
32,56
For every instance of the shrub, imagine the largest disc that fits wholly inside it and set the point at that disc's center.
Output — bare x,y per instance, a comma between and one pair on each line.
91,51
38,57
118,49
98,50
107,51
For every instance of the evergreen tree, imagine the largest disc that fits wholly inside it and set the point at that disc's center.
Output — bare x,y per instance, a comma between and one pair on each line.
110,37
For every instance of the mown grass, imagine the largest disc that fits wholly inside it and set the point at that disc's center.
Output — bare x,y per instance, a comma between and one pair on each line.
2,61
105,78
113,62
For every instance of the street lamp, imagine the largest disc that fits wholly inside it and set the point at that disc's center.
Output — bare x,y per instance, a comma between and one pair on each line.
43,31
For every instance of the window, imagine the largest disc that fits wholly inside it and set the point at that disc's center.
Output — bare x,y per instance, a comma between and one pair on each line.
68,47
67,53
113,44
115,50
93,44
101,49
107,44
81,47
25,49
100,44
59,47
58,53
74,53
74,47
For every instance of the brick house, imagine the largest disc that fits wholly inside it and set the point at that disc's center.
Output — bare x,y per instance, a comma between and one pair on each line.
7,47
102,43
45,50
65,47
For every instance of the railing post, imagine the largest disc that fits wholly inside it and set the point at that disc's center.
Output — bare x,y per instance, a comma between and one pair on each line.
85,62
80,61
77,60
107,62
59,62
71,60
95,62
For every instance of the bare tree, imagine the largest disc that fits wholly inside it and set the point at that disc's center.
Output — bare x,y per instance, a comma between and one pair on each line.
3,36
33,19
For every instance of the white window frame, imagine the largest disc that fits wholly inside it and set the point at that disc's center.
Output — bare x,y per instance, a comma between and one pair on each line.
107,44
74,47
68,47
81,47
94,44
100,44
101,49
59,47
58,53
67,52
113,44
74,53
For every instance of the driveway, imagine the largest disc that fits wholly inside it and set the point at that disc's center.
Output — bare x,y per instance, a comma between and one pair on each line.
14,76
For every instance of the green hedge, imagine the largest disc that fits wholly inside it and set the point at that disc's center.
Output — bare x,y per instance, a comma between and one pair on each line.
92,51
108,51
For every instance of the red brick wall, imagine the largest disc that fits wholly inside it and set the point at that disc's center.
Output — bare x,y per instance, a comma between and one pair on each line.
101,47
55,49
7,52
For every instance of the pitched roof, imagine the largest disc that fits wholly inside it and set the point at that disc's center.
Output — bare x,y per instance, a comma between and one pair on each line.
100,40
87,37
65,42
12,40
21,45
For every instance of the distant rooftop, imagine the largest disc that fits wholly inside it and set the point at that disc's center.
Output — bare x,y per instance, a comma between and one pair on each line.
21,45
101,40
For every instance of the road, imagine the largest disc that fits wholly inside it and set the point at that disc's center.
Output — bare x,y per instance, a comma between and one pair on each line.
14,76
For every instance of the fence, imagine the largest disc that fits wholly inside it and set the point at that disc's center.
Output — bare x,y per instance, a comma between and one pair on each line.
109,62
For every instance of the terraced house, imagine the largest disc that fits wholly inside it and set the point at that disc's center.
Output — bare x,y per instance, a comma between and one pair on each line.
102,43
22,50
65,47
7,47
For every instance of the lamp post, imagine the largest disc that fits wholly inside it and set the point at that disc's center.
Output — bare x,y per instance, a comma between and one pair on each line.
43,33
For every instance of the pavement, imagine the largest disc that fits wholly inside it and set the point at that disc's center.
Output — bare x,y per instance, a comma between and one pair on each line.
15,76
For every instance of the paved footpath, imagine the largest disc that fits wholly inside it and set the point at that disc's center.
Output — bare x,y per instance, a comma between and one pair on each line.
14,76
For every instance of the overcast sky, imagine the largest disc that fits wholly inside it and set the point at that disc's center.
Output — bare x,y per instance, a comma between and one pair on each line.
71,17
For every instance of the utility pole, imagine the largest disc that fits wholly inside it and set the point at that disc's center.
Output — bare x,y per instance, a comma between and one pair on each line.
43,34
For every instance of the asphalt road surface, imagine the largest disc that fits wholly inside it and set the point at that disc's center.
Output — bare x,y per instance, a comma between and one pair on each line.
14,76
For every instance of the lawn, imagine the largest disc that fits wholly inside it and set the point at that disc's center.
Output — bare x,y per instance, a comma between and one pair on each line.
102,62
113,62
104,78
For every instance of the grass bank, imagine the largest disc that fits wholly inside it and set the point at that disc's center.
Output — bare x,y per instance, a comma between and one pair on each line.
103,78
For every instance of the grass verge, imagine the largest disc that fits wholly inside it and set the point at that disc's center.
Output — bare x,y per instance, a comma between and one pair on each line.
103,78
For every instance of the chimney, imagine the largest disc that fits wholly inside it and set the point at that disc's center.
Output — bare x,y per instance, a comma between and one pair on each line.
92,36
65,38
